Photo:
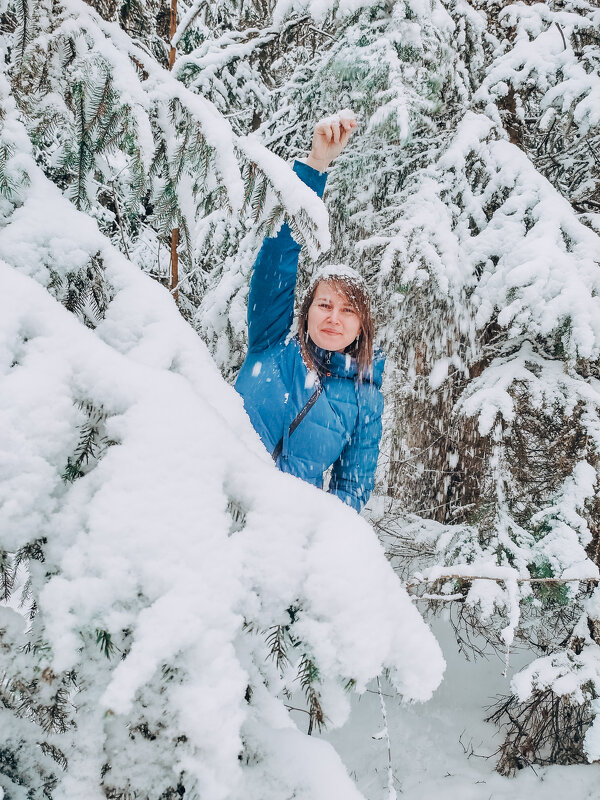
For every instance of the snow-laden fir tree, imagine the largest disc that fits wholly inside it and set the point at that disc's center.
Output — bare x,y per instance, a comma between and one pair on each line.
506,378
469,200
125,140
150,632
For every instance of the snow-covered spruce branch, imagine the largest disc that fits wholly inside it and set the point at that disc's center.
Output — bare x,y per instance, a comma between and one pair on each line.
150,700
159,86
215,54
460,598
443,598
450,576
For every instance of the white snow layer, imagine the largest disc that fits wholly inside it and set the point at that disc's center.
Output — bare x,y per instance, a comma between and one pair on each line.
142,541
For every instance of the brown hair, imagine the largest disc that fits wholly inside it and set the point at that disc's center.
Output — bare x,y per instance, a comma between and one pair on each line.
357,295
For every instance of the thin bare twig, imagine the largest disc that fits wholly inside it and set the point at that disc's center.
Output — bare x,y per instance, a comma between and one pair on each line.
322,33
386,733
446,598
119,220
295,708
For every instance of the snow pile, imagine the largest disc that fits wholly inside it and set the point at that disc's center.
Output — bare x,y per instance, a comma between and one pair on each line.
444,750
180,586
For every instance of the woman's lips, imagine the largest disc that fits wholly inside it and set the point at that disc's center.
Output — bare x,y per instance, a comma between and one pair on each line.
330,332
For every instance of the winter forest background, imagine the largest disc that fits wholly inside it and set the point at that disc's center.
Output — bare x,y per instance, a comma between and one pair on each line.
168,596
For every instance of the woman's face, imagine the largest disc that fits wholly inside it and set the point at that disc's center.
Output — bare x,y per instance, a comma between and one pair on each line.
333,323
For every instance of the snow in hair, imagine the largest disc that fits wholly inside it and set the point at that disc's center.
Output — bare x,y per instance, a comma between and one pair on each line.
333,271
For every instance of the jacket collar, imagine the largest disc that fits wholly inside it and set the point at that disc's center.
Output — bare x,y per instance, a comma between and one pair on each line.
342,365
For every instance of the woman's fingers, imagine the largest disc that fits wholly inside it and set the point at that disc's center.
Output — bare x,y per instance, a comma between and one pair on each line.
324,129
335,127
330,136
348,126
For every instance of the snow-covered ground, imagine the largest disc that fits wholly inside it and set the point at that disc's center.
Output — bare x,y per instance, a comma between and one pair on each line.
439,748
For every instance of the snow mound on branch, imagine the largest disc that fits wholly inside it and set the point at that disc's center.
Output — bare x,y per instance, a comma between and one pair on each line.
309,216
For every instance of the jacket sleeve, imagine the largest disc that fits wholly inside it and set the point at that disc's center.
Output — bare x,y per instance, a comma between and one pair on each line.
353,474
271,297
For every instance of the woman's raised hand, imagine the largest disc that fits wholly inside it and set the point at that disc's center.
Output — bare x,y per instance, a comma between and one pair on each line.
330,137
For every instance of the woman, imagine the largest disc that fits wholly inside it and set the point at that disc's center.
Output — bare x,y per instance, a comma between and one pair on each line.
314,399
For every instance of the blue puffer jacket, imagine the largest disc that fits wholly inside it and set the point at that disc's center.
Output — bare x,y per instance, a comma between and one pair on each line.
343,427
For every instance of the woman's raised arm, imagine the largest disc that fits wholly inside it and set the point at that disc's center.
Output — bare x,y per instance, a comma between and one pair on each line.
271,297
